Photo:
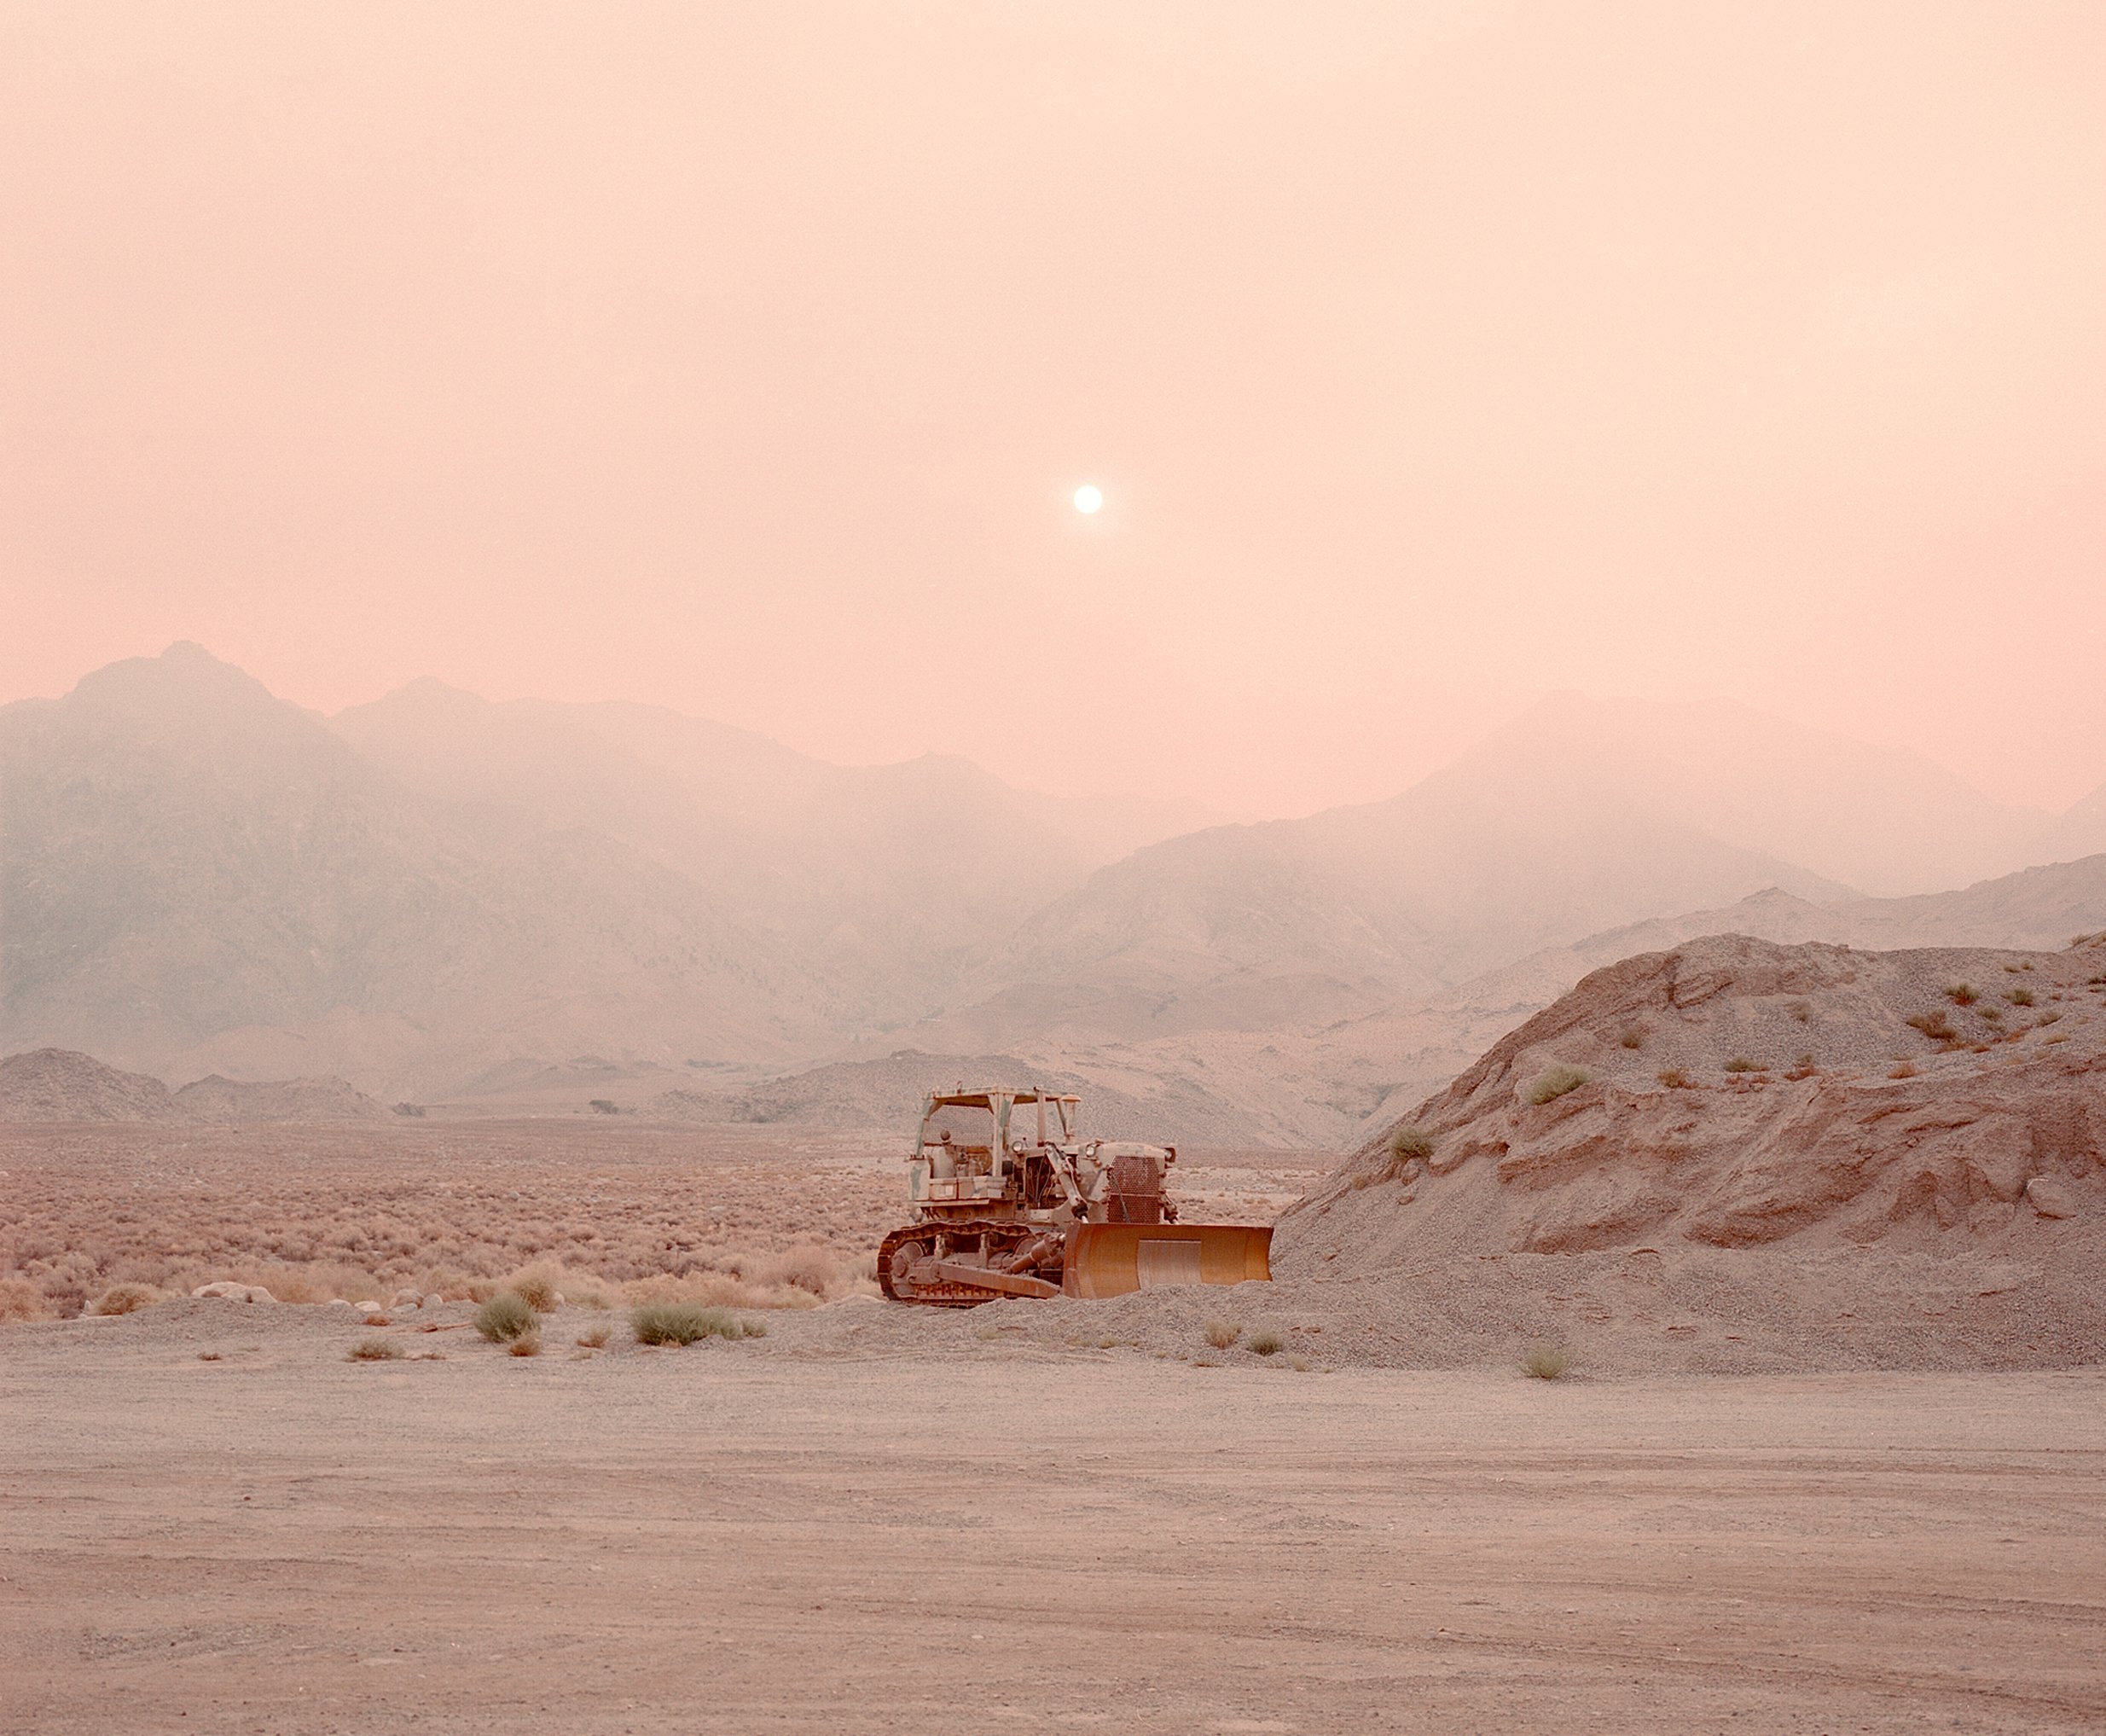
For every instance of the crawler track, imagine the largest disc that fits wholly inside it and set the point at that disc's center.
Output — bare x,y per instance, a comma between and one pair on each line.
947,1295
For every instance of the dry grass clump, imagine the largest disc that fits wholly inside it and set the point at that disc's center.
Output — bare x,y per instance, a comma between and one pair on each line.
1934,1025
1265,1343
21,1300
1222,1334
1962,995
593,1338
1555,1082
527,1344
539,1286
1741,1064
688,1322
1904,1072
506,1318
1799,1011
127,1298
375,1350
1409,1142
2020,997
1546,1361
1673,1078
1632,1038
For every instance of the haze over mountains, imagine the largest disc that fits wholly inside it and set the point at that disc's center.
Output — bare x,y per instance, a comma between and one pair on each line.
432,893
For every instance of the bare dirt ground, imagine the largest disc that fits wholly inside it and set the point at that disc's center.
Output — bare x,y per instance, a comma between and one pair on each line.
982,1533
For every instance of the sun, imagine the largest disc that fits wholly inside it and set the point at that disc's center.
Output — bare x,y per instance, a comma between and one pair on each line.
1088,497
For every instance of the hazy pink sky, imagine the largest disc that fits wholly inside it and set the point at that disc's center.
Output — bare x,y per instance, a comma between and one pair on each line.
744,358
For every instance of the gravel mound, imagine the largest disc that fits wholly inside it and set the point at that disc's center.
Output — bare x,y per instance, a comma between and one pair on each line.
1743,1154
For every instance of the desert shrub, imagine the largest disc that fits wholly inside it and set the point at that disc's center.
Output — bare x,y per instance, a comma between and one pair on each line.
126,1298
1904,1072
717,1289
507,1317
20,1299
1545,1361
1409,1142
593,1337
2050,1018
1265,1343
1556,1081
1962,995
538,1285
1673,1078
687,1322
602,1106
1741,1064
1934,1024
1362,1180
1222,1334
415,1110
808,1268
1632,1038
527,1344
1992,1015
2020,997
375,1350
1799,1011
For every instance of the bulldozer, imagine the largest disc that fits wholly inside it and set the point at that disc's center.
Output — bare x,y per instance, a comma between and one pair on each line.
1006,1204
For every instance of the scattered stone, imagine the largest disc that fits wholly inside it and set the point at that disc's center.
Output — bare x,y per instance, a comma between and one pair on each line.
227,1291
2050,1198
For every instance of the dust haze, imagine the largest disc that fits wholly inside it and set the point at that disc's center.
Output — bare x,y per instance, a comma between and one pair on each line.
1472,635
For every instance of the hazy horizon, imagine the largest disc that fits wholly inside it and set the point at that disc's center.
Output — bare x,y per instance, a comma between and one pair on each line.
1713,711
1432,360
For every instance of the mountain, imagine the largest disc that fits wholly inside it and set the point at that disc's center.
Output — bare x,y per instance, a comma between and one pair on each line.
192,866
196,876
887,880
1885,821
2081,831
1304,922
435,896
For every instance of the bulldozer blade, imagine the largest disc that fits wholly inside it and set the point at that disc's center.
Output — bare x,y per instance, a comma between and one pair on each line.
1110,1259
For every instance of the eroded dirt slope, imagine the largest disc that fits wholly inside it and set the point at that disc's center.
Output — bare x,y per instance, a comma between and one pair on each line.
1817,1145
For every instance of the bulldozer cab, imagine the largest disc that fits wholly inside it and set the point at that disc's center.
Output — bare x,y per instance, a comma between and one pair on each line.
976,1148
988,1126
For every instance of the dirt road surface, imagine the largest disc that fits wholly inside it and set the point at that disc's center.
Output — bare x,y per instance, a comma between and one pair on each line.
1010,1536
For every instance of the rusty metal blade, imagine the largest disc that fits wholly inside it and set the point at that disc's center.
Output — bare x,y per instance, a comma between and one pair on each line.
1110,1259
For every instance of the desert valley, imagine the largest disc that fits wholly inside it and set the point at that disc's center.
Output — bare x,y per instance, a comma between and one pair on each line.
1181,868
1755,1171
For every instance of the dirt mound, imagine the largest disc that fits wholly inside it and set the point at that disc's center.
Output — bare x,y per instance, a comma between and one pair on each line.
226,1101
1814,1143
58,1085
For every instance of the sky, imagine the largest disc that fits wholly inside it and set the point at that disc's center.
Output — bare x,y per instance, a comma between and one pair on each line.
745,358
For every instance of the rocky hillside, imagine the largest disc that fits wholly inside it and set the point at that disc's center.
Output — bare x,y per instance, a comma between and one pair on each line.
56,1084
62,1085
1806,1142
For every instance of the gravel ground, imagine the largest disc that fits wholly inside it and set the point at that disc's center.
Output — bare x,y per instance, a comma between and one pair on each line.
981,1532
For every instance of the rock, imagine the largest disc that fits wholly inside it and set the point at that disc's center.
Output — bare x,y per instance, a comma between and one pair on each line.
432,1299
227,1291
408,1298
2050,1198
336,1301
